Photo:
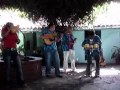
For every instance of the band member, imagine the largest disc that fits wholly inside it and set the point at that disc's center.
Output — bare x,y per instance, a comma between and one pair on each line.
92,46
9,51
67,44
50,50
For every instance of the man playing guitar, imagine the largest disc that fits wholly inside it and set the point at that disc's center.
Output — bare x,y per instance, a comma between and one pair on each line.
50,50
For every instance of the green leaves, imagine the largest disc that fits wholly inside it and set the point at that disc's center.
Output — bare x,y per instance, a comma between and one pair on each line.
52,9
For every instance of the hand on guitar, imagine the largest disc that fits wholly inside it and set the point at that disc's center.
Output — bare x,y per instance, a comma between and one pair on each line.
59,38
49,38
71,43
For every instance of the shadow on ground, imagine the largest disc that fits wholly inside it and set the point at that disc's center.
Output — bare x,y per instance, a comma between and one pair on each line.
76,81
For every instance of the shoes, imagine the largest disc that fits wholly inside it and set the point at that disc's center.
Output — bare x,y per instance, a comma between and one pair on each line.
60,76
74,69
65,70
96,75
88,74
48,76
20,86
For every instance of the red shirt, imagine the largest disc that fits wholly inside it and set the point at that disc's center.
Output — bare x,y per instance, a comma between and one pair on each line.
71,42
10,40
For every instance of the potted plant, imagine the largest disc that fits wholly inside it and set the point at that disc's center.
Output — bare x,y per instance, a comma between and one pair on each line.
116,54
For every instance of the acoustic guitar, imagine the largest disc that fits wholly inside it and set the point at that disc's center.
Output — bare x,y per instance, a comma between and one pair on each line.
49,38
102,61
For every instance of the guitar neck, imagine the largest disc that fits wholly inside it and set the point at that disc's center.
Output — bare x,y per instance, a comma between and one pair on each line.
49,36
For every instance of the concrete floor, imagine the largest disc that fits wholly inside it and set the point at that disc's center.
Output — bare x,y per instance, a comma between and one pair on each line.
109,80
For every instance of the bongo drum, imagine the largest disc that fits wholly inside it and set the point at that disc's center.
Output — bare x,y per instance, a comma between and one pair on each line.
96,46
86,46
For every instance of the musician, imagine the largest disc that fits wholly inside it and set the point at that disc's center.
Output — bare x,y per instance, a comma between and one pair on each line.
50,51
92,46
9,52
67,44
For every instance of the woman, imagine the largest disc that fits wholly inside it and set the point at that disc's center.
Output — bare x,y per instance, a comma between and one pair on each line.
67,44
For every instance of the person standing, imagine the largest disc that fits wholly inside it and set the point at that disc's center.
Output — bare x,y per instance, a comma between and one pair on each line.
67,44
9,52
50,50
92,46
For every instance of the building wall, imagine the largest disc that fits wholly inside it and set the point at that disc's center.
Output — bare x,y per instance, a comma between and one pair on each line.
26,42
39,40
79,51
109,37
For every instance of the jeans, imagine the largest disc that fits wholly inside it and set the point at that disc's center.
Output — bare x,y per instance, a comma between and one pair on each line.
12,55
52,56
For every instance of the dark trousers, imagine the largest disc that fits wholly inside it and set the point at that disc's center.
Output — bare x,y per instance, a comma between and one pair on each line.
11,56
95,55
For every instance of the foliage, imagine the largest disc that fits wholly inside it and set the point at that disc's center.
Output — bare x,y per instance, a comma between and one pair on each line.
116,53
96,10
21,14
67,10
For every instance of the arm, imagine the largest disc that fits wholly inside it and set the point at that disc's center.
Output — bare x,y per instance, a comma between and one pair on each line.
65,39
84,42
5,32
74,39
58,39
18,40
98,40
42,36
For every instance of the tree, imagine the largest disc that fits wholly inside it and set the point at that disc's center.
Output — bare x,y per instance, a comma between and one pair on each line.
66,10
